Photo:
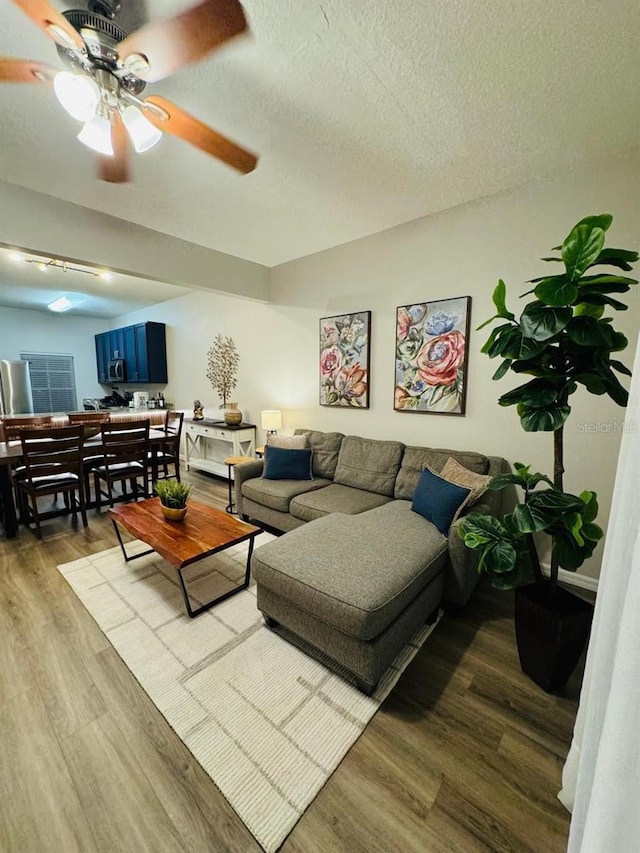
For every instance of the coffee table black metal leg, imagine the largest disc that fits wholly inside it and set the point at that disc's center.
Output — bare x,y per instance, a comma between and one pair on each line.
209,604
127,558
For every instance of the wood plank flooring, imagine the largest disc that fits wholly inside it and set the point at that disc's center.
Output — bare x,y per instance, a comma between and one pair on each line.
465,755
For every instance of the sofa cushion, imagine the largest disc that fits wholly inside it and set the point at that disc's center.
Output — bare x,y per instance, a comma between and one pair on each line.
283,464
334,498
277,494
325,446
416,459
348,572
438,500
366,463
289,442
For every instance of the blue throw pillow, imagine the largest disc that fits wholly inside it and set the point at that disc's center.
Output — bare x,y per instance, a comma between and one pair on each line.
438,500
285,464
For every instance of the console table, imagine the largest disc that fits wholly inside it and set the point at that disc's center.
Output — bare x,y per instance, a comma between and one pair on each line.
208,443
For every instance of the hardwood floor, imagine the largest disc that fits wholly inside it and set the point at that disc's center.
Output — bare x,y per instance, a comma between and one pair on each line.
465,755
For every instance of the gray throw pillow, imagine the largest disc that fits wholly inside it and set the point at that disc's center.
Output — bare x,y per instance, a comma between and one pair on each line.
288,442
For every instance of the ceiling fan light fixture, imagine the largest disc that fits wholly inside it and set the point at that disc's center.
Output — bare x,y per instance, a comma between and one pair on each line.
144,135
78,94
96,134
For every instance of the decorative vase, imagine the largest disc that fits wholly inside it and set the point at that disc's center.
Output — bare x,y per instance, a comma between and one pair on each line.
173,514
232,415
551,637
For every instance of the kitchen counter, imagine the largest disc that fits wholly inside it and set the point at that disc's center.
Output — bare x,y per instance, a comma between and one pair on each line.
154,416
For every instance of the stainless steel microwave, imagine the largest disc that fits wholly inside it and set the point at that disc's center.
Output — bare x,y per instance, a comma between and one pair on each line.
116,370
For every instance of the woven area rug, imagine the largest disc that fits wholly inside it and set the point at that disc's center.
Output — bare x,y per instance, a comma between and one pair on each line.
268,723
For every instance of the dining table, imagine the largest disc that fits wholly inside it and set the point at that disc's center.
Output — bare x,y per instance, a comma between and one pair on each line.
11,456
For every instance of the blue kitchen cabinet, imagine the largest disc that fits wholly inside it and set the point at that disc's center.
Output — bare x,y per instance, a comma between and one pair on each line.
143,349
103,350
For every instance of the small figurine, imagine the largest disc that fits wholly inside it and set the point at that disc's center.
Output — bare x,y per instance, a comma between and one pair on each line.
197,411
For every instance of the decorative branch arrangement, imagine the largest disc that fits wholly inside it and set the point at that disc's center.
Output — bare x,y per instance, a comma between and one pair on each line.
222,366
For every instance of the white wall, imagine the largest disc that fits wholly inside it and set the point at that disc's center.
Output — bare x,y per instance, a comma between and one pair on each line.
34,331
268,338
459,252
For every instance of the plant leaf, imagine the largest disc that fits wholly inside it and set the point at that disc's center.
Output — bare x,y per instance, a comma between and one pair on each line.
556,293
537,393
620,367
621,258
504,367
499,300
541,323
599,220
582,246
589,332
543,420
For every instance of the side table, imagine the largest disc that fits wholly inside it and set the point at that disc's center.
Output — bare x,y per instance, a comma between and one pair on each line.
230,461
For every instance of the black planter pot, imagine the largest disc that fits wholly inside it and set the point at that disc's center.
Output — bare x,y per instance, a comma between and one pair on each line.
551,637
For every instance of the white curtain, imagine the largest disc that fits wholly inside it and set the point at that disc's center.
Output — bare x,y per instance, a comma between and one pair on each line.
601,778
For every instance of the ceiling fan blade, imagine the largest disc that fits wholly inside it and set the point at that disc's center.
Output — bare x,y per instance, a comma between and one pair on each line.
115,170
179,123
55,25
25,71
172,43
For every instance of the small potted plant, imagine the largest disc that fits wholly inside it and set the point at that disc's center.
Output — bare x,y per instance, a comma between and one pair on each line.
173,498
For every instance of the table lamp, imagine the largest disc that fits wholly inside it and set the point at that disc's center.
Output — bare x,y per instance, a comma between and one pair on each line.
271,421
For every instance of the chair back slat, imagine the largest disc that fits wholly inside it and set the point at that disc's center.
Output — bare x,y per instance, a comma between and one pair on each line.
91,421
10,427
173,426
47,452
125,443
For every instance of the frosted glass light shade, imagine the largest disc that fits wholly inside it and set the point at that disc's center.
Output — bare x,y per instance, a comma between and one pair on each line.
79,95
61,304
96,134
144,135
271,420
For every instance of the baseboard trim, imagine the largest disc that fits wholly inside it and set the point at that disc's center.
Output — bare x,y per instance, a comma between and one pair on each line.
573,578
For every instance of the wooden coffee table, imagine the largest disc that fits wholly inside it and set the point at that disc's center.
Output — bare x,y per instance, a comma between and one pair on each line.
204,531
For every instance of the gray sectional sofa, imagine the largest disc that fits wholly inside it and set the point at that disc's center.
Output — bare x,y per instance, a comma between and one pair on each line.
358,571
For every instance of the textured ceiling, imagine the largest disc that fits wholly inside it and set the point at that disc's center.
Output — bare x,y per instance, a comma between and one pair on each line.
365,114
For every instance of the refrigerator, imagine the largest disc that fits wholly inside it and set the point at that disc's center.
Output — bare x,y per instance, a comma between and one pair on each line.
15,388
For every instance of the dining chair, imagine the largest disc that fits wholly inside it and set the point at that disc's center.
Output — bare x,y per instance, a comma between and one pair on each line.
10,431
91,423
169,453
10,427
52,464
125,458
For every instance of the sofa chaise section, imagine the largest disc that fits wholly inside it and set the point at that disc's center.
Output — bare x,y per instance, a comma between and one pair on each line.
348,588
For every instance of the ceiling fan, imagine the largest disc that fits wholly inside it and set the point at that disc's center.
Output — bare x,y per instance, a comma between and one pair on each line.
108,69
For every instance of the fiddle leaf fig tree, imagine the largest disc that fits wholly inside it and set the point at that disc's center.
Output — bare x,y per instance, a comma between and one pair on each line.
563,340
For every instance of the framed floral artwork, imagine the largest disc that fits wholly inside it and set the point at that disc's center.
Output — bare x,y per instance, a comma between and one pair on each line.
431,356
344,360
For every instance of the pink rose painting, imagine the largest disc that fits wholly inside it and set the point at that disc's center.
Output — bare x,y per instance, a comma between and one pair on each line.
344,360
431,356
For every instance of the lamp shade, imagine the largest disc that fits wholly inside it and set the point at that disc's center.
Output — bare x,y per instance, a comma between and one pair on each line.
78,94
143,134
96,134
271,420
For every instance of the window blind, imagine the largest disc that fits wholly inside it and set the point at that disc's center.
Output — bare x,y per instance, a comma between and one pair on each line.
53,382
